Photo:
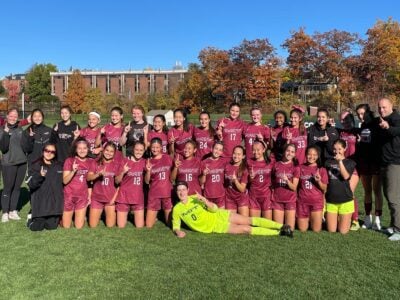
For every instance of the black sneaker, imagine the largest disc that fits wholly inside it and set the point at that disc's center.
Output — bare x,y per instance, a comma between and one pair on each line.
286,231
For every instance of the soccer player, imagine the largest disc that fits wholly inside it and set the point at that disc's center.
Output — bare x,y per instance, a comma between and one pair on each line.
367,158
76,189
130,179
349,134
104,192
204,135
236,177
230,130
90,133
255,130
277,141
179,134
260,190
188,168
64,133
158,173
202,215
339,197
135,130
296,133
212,175
285,176
312,186
159,130
112,131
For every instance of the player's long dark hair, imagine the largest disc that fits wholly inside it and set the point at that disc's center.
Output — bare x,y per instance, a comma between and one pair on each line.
318,150
185,120
211,130
266,156
162,117
243,163
294,160
108,144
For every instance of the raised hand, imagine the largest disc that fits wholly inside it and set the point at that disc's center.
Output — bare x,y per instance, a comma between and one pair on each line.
75,166
324,138
128,127
177,162
103,130
126,168
206,171
259,136
172,138
43,171
317,176
55,127
29,118
252,174
383,124
6,129
76,132
148,165
31,133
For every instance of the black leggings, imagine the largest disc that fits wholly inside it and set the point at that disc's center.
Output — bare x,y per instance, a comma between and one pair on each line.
13,176
40,223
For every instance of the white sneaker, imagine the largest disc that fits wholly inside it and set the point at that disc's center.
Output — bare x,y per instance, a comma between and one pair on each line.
4,218
389,230
13,215
377,224
367,222
395,237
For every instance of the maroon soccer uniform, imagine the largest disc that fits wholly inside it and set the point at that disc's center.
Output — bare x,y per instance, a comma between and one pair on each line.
232,134
233,197
181,137
250,135
299,140
131,187
104,188
282,193
162,136
160,184
214,184
351,141
204,142
113,134
260,190
308,192
76,191
90,135
189,171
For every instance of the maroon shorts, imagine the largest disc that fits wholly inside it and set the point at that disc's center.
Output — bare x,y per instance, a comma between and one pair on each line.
156,204
242,200
261,202
99,205
304,210
220,201
126,207
72,203
283,205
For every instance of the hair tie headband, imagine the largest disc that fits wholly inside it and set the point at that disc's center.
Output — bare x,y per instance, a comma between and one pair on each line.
93,113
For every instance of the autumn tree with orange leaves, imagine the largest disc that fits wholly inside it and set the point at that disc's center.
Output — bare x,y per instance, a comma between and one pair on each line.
75,95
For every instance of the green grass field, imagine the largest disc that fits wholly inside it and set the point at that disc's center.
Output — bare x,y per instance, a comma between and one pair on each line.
105,263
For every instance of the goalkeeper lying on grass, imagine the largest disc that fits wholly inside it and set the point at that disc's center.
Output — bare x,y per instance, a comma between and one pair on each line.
201,215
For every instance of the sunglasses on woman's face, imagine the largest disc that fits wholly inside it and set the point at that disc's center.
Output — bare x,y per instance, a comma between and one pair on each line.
49,151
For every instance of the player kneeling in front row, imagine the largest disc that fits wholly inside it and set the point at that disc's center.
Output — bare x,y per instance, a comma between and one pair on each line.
202,215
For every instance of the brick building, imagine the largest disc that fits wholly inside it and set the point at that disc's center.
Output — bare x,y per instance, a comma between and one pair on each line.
127,83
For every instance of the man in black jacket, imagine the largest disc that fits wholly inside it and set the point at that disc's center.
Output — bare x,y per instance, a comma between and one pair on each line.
390,143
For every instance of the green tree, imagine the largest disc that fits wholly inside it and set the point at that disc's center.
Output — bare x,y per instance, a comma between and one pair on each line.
2,89
94,101
39,81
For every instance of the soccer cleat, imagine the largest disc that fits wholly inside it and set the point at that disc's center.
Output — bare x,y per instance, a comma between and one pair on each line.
389,230
286,231
354,225
367,222
13,215
377,224
4,218
395,237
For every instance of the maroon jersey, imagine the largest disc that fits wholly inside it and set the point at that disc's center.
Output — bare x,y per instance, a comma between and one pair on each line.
160,183
113,134
231,190
351,141
214,184
204,142
131,186
250,134
90,136
78,186
162,136
104,188
232,134
261,183
181,137
308,192
300,140
282,193
189,171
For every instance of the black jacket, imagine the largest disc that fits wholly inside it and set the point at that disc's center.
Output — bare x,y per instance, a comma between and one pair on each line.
33,145
315,132
63,138
47,198
368,150
389,140
10,146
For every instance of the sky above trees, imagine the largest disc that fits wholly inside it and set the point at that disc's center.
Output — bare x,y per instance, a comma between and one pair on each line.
121,35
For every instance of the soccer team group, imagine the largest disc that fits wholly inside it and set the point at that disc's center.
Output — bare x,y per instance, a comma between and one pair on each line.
238,177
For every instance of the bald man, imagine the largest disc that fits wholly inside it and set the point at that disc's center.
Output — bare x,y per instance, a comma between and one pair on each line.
389,135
